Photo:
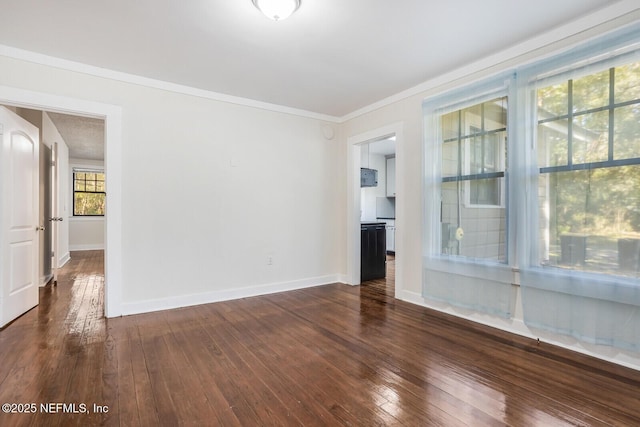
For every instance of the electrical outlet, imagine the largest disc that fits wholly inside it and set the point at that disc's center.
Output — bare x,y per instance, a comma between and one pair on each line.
269,260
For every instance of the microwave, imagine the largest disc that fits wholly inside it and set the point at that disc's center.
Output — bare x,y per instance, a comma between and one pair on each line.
368,177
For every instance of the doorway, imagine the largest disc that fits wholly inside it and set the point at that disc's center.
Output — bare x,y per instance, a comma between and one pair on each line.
377,209
363,205
72,186
64,141
112,117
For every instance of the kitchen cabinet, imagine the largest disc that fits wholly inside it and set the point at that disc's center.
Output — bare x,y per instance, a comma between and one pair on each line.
391,177
391,235
373,251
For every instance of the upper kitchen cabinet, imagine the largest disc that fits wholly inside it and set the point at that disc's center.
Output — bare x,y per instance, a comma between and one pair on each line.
391,177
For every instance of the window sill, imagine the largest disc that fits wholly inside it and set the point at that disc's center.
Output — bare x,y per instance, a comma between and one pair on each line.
86,218
471,206
624,290
472,267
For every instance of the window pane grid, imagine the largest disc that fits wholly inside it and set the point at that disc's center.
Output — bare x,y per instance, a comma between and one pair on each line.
89,194
589,163
475,135
593,110
487,175
473,176
584,126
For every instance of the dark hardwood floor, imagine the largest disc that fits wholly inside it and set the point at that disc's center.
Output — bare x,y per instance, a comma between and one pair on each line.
330,355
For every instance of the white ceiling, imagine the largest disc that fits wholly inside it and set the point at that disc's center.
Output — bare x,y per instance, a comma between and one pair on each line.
83,135
331,57
384,147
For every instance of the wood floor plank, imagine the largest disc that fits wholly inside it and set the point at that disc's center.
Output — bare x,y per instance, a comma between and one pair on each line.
292,392
461,353
321,350
203,375
324,356
144,394
155,356
127,409
366,365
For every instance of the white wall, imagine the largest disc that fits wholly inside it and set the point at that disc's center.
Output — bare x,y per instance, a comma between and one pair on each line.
211,191
407,110
85,233
50,135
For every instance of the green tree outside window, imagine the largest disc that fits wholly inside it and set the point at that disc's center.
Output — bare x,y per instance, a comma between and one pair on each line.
89,196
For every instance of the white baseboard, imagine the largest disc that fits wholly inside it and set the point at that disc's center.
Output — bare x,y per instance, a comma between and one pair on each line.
45,279
518,327
224,295
64,259
89,247
515,326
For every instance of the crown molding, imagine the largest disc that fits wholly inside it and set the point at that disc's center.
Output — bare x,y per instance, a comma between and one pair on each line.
608,15
64,64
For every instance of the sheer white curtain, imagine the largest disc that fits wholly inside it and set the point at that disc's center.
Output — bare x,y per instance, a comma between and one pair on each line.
538,172
581,260
466,251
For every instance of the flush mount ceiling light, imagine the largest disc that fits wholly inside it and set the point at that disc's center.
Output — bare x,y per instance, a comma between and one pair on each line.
277,9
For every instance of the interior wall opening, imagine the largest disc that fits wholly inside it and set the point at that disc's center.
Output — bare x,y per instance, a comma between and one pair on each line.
68,143
377,211
109,117
379,148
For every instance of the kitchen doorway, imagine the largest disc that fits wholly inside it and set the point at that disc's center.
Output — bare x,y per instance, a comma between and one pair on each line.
381,151
377,207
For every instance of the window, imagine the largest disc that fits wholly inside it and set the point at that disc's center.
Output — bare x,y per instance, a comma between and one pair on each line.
88,193
588,152
473,175
558,207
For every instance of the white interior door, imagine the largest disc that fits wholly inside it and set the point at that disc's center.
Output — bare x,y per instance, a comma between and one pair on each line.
19,228
55,211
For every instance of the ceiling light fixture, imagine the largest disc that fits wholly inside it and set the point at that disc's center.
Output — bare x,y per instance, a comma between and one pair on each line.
277,9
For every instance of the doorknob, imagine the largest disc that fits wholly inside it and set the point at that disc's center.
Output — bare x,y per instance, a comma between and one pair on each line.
40,228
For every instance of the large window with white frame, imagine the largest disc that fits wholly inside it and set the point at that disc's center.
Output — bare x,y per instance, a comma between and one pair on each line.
588,154
581,277
473,211
546,184
467,207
